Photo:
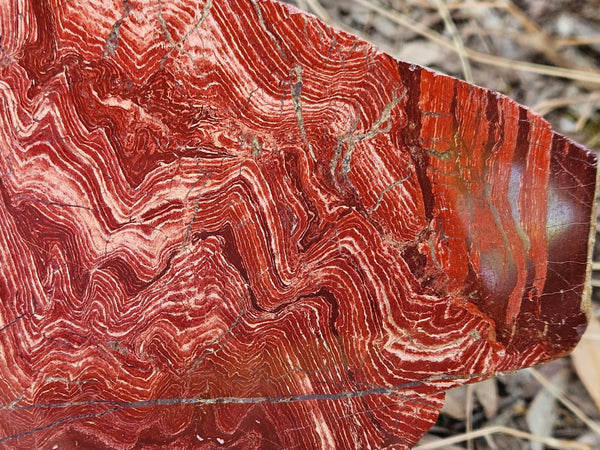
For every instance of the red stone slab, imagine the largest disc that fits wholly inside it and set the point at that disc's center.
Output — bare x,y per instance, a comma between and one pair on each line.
225,225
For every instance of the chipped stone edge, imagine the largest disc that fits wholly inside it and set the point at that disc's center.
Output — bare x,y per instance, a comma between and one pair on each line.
586,297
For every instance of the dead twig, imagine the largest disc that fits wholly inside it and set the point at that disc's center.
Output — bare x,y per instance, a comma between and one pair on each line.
585,76
594,426
548,441
458,43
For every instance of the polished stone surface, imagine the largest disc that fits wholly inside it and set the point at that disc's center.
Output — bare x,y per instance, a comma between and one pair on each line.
225,225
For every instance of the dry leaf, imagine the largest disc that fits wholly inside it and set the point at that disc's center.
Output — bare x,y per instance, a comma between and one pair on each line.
487,394
454,405
586,360
541,416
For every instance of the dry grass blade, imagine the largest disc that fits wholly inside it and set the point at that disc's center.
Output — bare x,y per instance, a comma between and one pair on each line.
594,426
579,40
469,414
548,441
549,105
542,413
321,13
537,38
302,4
458,43
586,76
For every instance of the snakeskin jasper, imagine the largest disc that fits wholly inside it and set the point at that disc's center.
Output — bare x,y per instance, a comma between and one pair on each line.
224,224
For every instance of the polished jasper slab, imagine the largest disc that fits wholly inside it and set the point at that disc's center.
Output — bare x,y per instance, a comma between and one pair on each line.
224,224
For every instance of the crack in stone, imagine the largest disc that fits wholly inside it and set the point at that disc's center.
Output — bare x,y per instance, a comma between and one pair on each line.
224,336
12,322
256,148
112,40
203,179
296,89
6,59
394,391
263,25
54,203
350,139
163,25
57,423
178,45
385,190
